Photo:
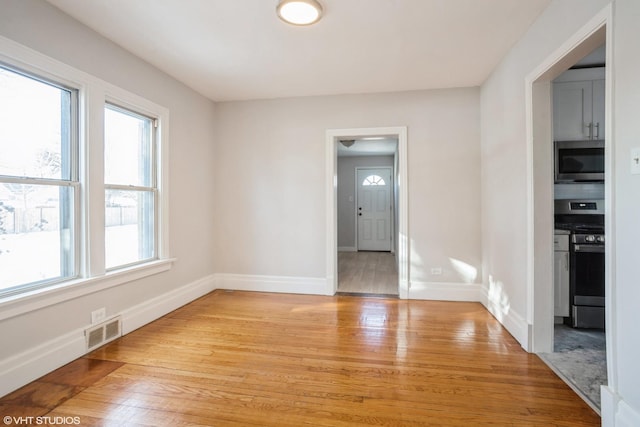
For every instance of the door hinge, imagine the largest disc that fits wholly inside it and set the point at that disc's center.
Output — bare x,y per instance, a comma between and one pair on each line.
155,123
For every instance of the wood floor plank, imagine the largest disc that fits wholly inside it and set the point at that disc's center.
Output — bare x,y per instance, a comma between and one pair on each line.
242,359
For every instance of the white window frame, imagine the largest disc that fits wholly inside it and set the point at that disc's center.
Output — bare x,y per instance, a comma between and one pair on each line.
93,94
151,188
73,182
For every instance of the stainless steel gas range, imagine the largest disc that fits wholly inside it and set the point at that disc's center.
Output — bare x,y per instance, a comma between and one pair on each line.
584,219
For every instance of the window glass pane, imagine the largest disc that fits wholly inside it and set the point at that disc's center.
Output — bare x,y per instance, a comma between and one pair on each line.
129,231
36,233
373,180
34,128
127,148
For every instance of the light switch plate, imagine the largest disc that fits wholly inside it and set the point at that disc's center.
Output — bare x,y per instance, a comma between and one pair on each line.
635,161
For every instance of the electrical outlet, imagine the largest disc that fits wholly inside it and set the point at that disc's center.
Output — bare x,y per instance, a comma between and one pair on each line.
436,271
98,315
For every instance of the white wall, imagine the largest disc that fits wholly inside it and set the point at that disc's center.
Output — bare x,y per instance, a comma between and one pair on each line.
271,180
43,28
346,189
626,209
504,183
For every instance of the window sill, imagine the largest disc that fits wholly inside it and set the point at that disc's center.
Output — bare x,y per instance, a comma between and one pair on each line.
16,305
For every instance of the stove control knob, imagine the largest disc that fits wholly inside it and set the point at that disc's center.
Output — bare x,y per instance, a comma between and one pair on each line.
600,239
590,239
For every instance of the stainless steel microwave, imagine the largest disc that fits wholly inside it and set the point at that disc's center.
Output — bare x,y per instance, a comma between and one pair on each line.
579,160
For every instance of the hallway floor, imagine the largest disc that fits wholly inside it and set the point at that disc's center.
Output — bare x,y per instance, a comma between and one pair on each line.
367,273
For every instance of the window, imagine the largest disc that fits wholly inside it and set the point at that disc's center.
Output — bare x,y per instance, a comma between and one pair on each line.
130,187
83,169
38,181
373,180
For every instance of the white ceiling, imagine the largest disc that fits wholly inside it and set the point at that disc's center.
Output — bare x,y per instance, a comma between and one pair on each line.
239,49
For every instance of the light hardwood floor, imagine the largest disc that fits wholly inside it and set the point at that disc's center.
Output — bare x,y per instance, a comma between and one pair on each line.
367,273
243,359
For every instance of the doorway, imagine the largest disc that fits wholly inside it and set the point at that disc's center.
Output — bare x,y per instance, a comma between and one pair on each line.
366,259
344,250
544,337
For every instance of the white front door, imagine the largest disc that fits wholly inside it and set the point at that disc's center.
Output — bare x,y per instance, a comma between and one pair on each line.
373,209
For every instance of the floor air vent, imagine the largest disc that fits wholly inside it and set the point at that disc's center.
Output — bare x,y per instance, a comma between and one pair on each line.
103,333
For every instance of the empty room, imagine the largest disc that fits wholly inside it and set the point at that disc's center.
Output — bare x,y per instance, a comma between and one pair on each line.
319,212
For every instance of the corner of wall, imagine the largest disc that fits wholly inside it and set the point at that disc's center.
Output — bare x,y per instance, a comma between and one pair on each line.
512,321
278,284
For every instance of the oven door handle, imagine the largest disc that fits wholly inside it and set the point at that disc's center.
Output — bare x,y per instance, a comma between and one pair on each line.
589,248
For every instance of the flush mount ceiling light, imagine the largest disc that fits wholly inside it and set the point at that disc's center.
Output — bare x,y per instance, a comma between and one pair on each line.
299,12
347,142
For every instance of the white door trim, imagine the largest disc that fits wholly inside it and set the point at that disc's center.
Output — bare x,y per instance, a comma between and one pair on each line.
355,212
332,137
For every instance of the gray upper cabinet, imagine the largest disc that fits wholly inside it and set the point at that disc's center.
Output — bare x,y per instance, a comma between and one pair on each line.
578,105
598,108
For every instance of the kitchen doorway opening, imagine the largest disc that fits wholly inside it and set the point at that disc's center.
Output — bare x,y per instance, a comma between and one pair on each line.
557,345
367,249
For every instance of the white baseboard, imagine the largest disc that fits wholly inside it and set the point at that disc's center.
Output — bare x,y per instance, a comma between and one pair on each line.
153,309
20,369
615,411
444,291
626,416
280,284
608,405
347,249
27,366
513,322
